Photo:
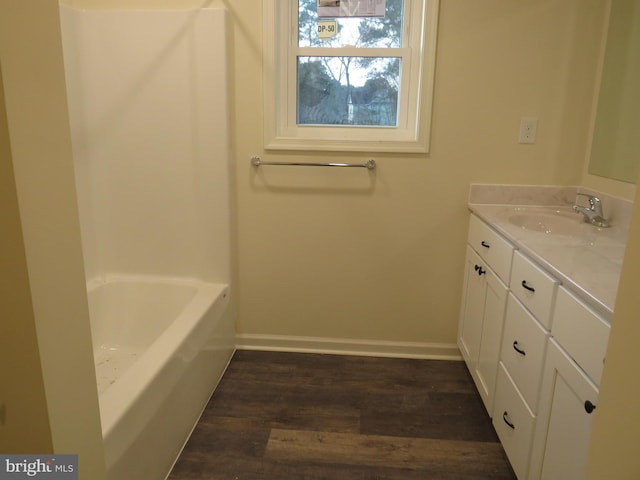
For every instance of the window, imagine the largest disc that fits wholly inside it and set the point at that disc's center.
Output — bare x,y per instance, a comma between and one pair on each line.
349,83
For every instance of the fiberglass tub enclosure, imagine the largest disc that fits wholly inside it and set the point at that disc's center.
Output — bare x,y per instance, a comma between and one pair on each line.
147,92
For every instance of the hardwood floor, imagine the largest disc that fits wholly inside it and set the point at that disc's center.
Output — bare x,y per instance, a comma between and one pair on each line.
280,416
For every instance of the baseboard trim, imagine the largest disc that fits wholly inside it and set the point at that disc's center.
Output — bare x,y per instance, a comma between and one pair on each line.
337,346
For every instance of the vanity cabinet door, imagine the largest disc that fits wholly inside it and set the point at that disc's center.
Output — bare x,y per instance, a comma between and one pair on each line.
563,429
470,328
481,321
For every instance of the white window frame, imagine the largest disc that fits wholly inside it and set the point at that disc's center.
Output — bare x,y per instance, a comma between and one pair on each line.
280,52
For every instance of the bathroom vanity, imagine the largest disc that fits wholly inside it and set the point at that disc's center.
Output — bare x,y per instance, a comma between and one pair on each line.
538,296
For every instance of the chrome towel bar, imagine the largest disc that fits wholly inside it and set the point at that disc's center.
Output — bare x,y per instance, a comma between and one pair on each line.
369,165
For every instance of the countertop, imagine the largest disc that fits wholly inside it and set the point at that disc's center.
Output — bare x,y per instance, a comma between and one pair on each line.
588,262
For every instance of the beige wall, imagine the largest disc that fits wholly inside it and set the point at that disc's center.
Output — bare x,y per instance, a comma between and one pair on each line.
36,112
24,423
613,452
345,255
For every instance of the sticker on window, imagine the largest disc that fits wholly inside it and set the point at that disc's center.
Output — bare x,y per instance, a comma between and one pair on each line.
327,29
351,8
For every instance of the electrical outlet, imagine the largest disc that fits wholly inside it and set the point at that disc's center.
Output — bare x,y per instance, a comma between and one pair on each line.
528,130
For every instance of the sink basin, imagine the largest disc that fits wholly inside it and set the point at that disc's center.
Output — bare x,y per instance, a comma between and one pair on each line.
558,223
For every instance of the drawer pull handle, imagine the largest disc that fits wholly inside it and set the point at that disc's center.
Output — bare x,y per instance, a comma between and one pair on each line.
485,244
479,269
527,287
589,407
515,347
509,424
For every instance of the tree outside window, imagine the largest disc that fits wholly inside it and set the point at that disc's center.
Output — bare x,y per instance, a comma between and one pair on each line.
350,89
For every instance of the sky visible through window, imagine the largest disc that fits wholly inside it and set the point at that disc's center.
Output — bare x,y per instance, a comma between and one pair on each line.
349,90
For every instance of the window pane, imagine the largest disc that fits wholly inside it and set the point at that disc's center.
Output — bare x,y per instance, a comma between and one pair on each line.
348,91
360,32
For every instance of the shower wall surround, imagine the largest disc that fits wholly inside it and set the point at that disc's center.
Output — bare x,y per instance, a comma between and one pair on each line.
148,102
145,116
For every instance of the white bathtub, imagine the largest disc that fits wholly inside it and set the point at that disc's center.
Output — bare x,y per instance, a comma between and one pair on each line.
160,345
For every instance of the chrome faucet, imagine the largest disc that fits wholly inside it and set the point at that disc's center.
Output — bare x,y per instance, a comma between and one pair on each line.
593,214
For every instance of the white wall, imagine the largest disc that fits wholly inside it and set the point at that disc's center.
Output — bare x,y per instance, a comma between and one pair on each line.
150,134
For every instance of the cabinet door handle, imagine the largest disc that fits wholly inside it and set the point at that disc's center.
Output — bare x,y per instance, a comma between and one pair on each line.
485,244
527,287
520,351
509,424
589,407
480,270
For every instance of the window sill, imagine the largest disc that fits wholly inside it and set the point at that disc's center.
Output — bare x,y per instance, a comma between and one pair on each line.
283,143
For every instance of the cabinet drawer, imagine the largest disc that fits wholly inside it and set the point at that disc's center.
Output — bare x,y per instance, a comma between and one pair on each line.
534,287
513,422
581,332
494,249
524,343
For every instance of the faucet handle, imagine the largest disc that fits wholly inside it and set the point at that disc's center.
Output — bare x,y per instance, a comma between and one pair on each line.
588,195
594,202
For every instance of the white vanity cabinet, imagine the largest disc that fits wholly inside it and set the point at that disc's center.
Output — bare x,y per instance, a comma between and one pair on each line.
563,430
484,299
513,421
569,390
536,353
534,287
524,344
522,355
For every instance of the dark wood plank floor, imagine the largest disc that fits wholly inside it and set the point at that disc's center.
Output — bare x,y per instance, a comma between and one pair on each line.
281,416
